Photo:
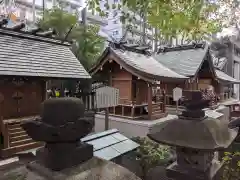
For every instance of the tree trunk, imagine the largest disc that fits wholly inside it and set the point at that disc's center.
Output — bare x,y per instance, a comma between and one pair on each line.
43,7
144,23
34,11
84,23
155,40
54,3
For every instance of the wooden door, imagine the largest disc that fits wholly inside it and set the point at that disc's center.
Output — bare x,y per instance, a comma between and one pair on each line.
31,99
8,106
20,99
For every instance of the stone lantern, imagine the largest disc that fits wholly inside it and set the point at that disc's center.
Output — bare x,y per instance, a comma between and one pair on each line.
196,138
61,125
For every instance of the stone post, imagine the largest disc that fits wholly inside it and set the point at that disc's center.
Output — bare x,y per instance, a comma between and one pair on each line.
196,138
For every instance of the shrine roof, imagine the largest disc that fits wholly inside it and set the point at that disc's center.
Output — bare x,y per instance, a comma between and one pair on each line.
26,54
185,60
139,64
226,78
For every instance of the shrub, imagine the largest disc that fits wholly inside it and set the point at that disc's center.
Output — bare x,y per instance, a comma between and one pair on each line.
231,169
151,154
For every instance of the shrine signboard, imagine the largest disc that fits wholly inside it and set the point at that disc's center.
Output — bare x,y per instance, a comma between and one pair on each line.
177,93
107,97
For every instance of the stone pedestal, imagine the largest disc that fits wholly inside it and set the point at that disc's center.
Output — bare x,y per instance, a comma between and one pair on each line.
177,172
93,169
64,155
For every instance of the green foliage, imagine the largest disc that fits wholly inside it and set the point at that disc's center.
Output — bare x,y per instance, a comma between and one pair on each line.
231,166
58,20
151,154
191,19
87,44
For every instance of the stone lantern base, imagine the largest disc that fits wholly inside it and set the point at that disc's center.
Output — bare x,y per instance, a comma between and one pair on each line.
179,173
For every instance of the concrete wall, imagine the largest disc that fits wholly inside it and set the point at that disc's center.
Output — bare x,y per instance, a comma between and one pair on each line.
130,128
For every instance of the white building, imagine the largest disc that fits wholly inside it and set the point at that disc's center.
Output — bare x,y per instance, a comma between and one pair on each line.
31,10
116,29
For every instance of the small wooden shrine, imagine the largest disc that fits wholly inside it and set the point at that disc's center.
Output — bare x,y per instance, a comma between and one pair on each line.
132,70
28,59
193,61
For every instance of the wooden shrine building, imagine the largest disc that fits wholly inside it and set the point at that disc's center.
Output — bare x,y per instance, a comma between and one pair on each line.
193,61
28,59
133,71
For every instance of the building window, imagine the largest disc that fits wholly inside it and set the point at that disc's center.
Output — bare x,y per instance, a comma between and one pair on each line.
115,33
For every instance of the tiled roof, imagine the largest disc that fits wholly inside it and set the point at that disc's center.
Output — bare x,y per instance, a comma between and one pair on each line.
146,64
226,78
185,62
23,54
110,144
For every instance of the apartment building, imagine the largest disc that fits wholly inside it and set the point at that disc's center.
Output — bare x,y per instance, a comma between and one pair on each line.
31,10
229,62
117,30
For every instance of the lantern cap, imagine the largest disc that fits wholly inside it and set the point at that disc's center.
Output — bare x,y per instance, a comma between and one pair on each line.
193,129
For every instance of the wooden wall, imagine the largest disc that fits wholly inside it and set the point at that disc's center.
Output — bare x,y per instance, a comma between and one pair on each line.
21,100
122,80
142,92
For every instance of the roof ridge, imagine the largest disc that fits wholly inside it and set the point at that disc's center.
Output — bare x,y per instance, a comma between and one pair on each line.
182,47
33,34
136,48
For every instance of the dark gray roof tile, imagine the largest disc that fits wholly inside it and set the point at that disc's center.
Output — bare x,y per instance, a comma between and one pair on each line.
146,64
24,56
226,78
184,62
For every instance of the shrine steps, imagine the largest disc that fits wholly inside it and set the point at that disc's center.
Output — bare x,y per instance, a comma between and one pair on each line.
17,141
8,152
157,112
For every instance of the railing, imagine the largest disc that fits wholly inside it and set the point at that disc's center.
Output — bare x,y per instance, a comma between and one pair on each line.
89,99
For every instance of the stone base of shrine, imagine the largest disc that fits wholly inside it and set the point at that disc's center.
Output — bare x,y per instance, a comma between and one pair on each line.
128,127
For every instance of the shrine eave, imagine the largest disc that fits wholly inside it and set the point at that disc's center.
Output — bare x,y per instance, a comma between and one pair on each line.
140,65
226,79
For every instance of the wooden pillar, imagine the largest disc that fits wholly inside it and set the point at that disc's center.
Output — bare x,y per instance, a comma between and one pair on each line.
164,101
45,88
149,101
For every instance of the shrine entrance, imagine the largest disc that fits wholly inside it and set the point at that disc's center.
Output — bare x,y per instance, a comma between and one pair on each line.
20,100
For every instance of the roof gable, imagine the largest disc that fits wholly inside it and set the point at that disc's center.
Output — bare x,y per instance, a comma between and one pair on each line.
138,64
23,54
185,60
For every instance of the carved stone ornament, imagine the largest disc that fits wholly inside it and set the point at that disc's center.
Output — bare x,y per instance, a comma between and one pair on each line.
61,126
